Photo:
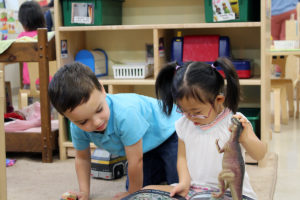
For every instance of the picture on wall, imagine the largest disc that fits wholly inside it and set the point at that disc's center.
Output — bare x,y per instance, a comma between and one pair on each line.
9,23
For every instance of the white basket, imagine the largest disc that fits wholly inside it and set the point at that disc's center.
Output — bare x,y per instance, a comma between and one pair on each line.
286,44
132,70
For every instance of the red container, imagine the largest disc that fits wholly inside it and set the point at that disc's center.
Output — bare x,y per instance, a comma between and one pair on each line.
203,48
242,67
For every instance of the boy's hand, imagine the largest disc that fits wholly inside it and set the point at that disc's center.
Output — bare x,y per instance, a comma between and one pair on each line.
120,195
247,128
82,196
180,189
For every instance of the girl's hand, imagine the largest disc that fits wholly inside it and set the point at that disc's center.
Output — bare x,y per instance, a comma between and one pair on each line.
247,128
180,189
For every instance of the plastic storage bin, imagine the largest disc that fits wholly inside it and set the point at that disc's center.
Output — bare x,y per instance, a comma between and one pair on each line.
92,12
232,10
253,115
95,59
133,70
224,46
242,67
68,124
200,48
176,48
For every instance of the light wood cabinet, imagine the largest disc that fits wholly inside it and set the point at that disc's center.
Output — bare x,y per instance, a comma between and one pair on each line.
144,22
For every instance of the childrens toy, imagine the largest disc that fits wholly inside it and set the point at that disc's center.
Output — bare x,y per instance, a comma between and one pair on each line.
232,175
96,59
107,166
68,196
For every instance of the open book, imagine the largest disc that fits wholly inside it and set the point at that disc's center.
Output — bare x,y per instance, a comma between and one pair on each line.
149,194
152,195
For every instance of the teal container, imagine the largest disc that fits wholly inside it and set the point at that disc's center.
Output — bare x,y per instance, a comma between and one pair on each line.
92,12
68,123
248,10
253,115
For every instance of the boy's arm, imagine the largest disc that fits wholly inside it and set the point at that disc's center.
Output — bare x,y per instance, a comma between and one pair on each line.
253,146
83,171
134,154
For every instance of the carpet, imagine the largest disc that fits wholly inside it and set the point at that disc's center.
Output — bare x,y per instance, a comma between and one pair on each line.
31,179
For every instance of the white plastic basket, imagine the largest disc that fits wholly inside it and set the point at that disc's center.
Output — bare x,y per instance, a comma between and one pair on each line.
286,44
132,70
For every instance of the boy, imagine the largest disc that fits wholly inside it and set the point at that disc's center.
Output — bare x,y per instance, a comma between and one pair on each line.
123,124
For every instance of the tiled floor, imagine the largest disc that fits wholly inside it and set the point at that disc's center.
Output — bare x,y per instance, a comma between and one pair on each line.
287,145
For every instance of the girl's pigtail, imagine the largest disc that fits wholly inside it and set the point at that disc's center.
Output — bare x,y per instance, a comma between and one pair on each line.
163,87
232,97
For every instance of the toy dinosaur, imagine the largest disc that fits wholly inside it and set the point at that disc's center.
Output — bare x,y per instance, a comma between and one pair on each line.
232,175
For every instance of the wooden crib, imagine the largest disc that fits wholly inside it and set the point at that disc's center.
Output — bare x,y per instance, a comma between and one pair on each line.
42,52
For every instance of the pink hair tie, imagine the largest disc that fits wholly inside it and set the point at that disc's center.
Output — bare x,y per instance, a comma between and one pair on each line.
177,67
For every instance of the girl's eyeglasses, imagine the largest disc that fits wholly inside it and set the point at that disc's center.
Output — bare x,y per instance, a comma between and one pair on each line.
194,116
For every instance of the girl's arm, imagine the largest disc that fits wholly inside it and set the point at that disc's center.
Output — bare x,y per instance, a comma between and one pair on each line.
253,146
184,176
83,171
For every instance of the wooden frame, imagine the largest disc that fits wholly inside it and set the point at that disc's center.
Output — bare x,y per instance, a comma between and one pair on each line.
8,96
41,52
3,190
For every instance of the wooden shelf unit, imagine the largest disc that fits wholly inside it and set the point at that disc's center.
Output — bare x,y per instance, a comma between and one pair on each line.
126,43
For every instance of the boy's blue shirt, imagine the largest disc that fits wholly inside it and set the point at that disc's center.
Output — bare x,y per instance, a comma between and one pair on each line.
132,117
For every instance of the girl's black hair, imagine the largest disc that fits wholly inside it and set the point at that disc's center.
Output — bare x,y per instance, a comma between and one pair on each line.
197,80
31,16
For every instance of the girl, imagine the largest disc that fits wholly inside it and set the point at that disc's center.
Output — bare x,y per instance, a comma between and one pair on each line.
207,107
31,17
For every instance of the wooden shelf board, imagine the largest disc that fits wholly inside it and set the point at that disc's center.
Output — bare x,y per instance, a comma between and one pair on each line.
295,52
251,81
70,144
161,26
109,80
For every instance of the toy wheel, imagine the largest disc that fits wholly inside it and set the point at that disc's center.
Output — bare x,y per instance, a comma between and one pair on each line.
119,171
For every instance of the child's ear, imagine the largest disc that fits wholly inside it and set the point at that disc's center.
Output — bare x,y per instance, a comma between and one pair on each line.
220,99
103,89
